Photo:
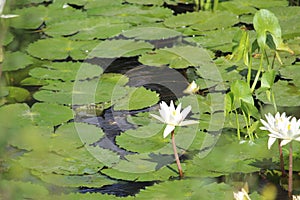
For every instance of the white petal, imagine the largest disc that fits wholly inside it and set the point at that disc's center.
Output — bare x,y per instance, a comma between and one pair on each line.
185,112
284,142
168,130
271,142
178,108
188,122
172,108
157,117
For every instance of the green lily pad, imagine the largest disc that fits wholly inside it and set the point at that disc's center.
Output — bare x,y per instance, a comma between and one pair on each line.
91,180
50,114
151,33
176,57
67,71
216,39
88,29
17,95
163,174
291,72
186,19
286,94
15,61
21,190
34,17
137,98
59,48
189,189
135,140
87,196
237,7
218,20
119,48
146,2
106,89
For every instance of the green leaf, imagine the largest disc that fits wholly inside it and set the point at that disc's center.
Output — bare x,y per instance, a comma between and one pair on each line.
17,95
241,91
266,22
146,2
286,94
59,49
50,114
151,33
186,19
21,190
67,71
267,79
87,29
190,189
119,48
91,180
33,17
137,98
15,61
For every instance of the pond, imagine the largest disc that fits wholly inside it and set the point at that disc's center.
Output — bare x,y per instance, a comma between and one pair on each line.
104,99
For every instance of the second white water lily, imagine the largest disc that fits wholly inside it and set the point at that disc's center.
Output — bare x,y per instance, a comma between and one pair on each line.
173,117
281,127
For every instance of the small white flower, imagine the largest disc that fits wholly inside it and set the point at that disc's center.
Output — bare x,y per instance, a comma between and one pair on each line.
241,195
173,117
281,127
192,88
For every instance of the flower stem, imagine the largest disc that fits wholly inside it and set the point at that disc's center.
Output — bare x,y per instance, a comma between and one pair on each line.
290,187
176,155
283,173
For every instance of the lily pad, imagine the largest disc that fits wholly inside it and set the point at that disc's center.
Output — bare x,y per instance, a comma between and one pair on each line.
137,98
286,94
34,17
16,60
186,19
88,29
67,71
17,95
59,49
151,33
291,72
91,180
190,189
21,190
119,48
146,2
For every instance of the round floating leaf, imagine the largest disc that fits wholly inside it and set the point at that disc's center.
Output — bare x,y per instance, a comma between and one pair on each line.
119,48
92,180
137,98
88,29
87,196
189,189
151,33
146,2
163,173
237,7
186,19
16,60
34,17
79,161
17,95
286,94
144,139
46,114
67,71
20,190
291,72
57,49
216,20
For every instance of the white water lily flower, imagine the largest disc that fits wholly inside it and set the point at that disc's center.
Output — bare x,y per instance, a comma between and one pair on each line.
281,127
173,117
192,88
241,195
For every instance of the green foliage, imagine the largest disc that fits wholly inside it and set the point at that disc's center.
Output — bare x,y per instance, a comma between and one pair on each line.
16,60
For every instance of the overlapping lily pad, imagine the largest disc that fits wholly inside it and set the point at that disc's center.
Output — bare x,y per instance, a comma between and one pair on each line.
16,60
60,49
120,48
67,71
151,33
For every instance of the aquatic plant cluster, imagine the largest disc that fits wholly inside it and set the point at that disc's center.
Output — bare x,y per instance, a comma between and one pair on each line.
94,94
